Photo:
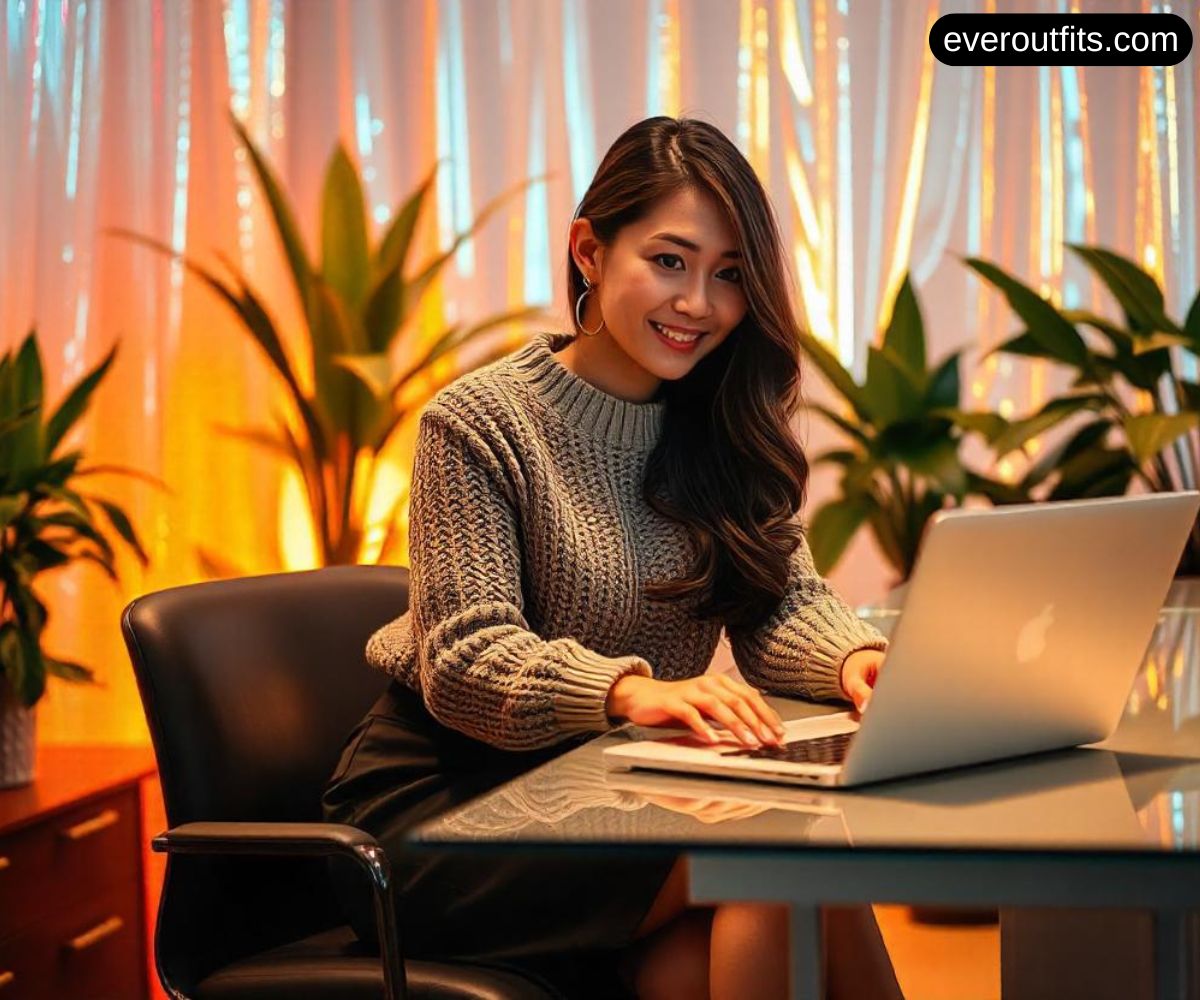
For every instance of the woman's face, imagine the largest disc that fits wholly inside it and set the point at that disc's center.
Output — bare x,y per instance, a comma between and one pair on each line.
669,289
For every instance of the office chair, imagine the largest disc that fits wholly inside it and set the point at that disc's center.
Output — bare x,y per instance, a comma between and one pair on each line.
250,687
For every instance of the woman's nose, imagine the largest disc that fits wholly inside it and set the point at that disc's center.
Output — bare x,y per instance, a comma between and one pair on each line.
694,300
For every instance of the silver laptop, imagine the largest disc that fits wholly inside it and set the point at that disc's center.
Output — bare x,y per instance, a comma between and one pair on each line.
1023,631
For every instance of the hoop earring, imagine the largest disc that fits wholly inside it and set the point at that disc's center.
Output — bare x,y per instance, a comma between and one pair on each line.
587,288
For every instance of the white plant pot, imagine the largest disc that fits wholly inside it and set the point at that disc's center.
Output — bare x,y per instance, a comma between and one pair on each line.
16,739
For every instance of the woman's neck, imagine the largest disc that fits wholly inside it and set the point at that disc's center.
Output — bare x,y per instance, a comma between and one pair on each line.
600,361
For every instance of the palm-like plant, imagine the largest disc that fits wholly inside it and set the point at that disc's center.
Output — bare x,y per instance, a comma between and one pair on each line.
365,352
905,431
1141,414
45,521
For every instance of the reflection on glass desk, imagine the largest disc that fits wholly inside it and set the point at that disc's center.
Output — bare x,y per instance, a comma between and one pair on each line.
1137,791
1109,827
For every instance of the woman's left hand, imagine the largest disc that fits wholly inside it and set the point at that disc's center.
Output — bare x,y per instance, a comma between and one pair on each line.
859,672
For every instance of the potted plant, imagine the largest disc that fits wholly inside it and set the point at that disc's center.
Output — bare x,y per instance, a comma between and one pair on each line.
905,429
1139,414
365,353
46,522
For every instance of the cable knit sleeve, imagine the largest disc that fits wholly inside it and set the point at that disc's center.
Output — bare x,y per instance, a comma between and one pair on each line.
483,671
799,650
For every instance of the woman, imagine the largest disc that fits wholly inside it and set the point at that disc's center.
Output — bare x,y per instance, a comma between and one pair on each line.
587,514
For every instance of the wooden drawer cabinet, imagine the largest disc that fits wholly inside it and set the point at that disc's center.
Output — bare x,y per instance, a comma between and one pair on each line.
72,905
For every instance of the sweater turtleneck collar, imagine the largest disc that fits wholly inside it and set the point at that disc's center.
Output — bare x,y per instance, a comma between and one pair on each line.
583,405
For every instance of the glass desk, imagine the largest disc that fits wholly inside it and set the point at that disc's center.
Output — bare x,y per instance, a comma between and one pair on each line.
1114,825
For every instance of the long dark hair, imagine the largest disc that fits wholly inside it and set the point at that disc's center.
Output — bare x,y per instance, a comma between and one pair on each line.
727,465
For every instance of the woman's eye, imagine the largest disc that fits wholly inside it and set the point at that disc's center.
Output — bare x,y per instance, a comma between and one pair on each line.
733,274
669,257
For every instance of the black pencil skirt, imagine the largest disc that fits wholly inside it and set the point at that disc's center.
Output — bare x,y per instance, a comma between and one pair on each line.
566,919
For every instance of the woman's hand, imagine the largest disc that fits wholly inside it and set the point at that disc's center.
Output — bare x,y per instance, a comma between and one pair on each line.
860,670
708,810
738,707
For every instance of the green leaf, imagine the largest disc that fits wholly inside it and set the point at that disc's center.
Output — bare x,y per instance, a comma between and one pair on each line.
890,394
122,470
75,673
996,491
1191,394
1026,345
103,560
855,431
27,449
455,337
43,555
281,215
264,438
1090,436
838,378
10,425
83,527
1150,433
10,507
1191,325
75,403
944,388
1053,413
990,425
1094,472
334,397
426,274
1044,322
905,334
254,317
122,526
935,458
28,373
1137,293
1145,343
832,528
216,566
837,456
345,259
396,243
374,371
70,498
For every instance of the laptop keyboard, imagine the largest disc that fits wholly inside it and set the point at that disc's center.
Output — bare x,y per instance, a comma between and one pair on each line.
820,750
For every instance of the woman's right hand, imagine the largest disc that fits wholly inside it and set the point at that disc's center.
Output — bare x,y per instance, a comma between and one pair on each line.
645,701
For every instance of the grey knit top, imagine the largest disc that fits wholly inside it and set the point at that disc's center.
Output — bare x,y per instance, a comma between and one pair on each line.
530,544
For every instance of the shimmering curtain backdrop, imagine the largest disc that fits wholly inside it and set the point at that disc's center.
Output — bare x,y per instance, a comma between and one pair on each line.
115,114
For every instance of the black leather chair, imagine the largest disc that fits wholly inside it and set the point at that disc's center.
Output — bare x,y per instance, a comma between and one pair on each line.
250,687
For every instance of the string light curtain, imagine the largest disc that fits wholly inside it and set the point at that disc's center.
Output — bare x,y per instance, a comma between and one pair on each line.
878,159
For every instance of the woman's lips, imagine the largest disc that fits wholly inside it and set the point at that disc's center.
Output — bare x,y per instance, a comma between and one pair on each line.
674,344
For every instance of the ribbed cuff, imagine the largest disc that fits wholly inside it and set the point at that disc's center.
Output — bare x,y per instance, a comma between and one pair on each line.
823,676
588,677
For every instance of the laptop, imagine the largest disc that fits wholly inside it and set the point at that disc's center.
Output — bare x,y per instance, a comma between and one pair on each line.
1023,631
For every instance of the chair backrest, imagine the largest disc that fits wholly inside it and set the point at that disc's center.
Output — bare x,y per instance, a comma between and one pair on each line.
250,687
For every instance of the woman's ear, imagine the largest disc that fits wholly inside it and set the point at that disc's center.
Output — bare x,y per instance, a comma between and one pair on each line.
586,249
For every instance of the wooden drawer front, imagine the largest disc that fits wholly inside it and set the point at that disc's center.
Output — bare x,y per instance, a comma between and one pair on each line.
92,951
66,859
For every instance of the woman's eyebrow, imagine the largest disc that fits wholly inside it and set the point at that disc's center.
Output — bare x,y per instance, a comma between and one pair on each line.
689,245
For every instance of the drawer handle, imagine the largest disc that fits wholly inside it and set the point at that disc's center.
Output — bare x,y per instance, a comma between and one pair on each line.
101,821
5,979
97,934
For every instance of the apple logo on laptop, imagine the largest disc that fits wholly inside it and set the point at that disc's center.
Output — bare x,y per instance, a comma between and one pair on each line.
1031,641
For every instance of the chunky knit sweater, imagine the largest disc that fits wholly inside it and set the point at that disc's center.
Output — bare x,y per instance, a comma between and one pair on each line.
530,545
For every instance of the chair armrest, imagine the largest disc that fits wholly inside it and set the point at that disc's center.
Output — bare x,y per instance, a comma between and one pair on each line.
265,838
300,839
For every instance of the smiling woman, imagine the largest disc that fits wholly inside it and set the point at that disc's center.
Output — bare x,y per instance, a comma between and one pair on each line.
587,514
664,291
